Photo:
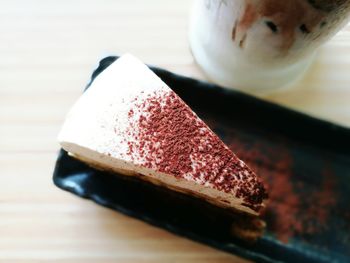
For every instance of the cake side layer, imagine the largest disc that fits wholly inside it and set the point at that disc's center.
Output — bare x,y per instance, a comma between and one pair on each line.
108,163
245,226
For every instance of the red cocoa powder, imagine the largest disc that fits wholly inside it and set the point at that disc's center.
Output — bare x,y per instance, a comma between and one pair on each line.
318,204
167,134
170,138
274,165
290,212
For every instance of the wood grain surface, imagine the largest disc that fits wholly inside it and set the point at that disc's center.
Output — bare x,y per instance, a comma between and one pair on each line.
48,49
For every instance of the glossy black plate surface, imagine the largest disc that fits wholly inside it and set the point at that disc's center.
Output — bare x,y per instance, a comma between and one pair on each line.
304,161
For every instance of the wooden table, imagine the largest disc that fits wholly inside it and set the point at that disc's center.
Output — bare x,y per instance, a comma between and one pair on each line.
47,52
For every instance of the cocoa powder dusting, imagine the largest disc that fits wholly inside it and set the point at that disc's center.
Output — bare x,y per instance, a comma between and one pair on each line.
291,210
169,138
318,204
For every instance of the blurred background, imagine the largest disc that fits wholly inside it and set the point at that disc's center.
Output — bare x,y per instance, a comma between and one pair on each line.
48,50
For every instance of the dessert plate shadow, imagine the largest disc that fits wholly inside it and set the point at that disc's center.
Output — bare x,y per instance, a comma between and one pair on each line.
304,161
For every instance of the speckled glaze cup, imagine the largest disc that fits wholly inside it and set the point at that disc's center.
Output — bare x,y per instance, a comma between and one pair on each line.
260,45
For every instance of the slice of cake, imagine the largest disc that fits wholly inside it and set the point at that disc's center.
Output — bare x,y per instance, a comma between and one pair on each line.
130,122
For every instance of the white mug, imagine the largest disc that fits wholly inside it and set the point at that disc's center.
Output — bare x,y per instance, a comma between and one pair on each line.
258,45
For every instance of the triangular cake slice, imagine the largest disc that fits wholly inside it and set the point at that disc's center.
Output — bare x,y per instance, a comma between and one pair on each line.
129,121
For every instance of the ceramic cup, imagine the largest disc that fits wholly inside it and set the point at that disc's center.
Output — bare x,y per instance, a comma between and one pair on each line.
258,45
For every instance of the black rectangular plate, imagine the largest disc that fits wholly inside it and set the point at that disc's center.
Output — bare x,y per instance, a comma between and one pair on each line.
304,161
